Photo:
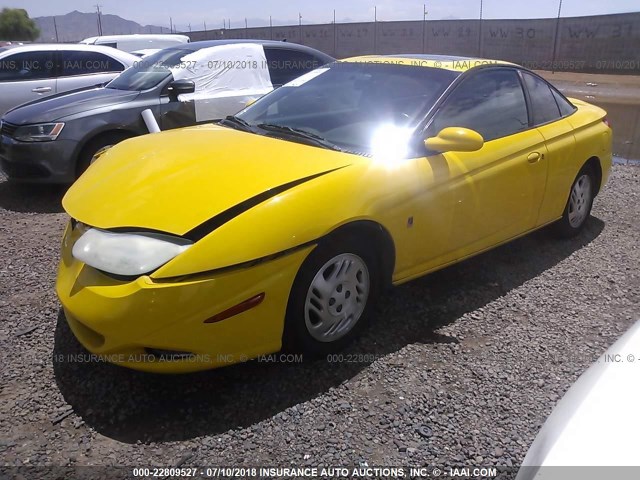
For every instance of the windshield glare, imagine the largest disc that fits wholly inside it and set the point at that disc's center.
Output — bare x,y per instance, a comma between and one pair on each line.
347,103
149,71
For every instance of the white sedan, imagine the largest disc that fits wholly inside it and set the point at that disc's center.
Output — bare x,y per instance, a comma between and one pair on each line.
30,72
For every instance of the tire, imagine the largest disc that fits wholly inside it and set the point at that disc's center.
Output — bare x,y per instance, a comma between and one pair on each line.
579,204
324,320
94,146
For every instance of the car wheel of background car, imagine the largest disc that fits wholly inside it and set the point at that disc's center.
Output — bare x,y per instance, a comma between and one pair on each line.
579,204
96,147
332,296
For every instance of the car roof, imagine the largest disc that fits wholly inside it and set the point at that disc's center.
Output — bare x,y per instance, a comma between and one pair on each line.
138,36
193,46
36,47
447,62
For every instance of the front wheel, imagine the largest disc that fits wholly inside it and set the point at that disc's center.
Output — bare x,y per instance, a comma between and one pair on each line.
97,147
332,296
579,204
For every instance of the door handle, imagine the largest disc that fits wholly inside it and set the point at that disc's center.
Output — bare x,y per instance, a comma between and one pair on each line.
41,90
533,157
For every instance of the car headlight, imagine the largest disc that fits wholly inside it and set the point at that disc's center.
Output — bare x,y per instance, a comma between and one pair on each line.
127,254
42,132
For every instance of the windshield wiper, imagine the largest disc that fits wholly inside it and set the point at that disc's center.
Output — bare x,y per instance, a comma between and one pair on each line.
300,133
237,123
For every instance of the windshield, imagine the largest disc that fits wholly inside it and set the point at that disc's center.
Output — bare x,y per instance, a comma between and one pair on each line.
149,71
345,104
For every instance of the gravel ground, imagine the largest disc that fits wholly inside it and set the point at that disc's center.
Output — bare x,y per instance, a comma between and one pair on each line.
460,368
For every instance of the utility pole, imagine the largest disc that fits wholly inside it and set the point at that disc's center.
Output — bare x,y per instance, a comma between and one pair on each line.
375,27
424,27
300,26
555,40
99,19
189,27
170,25
480,32
246,25
55,26
335,34
270,28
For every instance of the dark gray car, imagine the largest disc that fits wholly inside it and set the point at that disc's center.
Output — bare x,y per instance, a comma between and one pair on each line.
53,140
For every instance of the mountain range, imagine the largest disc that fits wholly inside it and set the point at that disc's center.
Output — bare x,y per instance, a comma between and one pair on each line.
76,26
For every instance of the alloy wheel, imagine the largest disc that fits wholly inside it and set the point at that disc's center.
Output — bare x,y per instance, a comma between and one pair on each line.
579,201
337,297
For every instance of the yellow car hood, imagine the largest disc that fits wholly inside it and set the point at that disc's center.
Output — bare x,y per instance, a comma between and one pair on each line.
178,180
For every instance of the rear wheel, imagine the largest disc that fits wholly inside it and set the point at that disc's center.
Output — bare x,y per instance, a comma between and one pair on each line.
579,204
332,296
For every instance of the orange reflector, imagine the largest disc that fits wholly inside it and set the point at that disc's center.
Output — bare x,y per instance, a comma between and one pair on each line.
241,307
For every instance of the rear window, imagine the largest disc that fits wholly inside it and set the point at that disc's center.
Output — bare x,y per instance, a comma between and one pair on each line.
543,104
108,44
286,65
566,107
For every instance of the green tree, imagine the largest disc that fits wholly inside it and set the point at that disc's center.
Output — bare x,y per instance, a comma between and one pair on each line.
15,24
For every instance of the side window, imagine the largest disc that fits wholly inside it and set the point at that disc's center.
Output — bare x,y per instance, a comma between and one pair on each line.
84,63
492,103
27,66
566,108
543,105
286,65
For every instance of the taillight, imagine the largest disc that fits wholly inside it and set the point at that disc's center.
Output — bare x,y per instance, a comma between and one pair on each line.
606,122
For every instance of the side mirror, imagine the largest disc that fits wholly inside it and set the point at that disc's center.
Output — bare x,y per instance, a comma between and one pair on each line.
455,139
177,87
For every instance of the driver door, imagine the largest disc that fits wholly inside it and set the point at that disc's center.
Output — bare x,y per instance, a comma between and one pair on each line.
494,193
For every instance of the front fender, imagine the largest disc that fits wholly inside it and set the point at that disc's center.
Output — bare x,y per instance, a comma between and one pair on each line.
302,216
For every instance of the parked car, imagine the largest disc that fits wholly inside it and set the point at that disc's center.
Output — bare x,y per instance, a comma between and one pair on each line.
30,72
595,423
145,52
131,43
210,245
55,140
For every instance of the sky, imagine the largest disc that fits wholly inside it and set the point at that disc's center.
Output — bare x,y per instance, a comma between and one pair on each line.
284,12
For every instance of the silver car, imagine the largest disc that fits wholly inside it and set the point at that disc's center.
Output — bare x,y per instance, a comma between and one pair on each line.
30,72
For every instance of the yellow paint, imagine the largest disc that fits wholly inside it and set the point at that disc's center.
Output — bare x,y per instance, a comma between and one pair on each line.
461,203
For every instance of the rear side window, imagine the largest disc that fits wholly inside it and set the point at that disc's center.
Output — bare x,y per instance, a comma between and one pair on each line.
27,66
85,63
566,108
286,65
491,102
543,104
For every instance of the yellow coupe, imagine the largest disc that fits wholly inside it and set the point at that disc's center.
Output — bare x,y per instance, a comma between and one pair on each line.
205,246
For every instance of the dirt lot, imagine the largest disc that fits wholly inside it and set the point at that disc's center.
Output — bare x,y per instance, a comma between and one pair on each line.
461,367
